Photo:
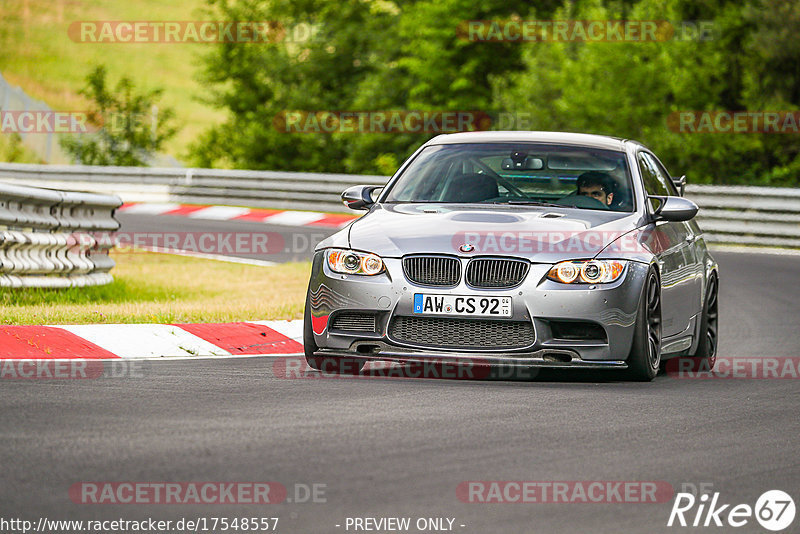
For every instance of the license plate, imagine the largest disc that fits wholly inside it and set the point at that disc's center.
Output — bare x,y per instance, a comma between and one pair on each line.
462,305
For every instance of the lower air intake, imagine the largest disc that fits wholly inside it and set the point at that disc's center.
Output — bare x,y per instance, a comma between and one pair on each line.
354,322
462,333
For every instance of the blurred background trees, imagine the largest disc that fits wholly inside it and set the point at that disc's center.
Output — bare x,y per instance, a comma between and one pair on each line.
408,55
128,127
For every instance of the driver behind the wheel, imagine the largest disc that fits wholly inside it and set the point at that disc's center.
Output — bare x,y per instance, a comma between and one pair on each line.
598,185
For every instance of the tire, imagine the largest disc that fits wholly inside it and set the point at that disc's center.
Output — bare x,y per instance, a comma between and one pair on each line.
706,353
645,356
330,364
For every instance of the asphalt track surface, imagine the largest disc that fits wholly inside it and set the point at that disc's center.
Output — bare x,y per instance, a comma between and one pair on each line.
283,243
388,447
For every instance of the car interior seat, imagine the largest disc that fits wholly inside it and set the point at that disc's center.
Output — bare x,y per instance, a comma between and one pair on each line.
471,188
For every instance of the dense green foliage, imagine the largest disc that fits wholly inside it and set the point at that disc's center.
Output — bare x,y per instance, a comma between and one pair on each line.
410,55
129,128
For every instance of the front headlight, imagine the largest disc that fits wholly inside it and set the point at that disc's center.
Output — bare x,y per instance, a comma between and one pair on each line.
587,272
352,262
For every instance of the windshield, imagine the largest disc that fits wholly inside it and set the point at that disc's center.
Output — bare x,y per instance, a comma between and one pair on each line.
517,173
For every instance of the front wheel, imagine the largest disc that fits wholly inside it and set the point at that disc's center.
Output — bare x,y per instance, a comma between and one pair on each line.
645,356
706,354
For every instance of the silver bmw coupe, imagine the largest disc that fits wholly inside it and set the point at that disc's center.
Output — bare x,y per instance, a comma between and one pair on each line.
522,249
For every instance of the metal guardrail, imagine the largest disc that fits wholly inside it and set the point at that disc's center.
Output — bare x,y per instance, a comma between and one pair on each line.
729,214
46,237
257,189
765,216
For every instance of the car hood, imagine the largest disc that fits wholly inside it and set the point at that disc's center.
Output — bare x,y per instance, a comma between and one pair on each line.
540,234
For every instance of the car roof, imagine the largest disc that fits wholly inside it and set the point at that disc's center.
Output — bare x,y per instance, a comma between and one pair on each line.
560,138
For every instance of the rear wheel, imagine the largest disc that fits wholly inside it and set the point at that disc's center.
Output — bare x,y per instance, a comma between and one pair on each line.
706,353
645,356
327,364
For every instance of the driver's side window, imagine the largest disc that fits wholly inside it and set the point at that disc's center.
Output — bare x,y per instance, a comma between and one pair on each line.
654,181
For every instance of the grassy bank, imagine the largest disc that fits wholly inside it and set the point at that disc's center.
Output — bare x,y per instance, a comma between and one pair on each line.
39,56
161,288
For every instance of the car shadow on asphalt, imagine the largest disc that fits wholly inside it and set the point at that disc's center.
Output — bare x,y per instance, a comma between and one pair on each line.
482,373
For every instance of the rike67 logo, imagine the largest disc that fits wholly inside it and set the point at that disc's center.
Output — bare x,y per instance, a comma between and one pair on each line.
774,510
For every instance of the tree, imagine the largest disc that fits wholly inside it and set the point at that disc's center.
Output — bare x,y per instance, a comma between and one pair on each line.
373,55
366,55
630,90
129,128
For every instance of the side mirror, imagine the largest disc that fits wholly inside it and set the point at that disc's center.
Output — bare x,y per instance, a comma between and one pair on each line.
359,197
675,209
680,184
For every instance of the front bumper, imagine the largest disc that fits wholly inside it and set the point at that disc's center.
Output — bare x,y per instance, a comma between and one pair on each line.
539,301
539,358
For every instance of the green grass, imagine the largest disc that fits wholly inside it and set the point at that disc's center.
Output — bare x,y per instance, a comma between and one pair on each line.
39,56
161,288
14,151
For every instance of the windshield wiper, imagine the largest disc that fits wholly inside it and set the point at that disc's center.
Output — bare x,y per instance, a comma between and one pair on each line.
532,203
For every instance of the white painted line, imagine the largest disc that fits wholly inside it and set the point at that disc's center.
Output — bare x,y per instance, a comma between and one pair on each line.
215,257
149,209
179,358
145,340
294,218
221,357
170,358
754,250
221,213
290,329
